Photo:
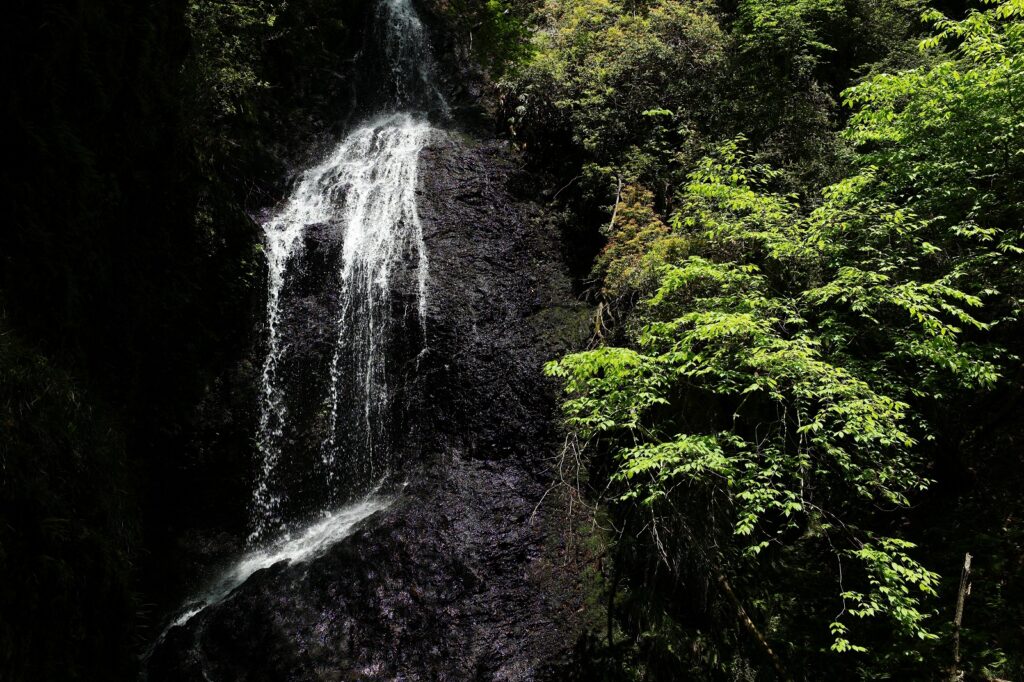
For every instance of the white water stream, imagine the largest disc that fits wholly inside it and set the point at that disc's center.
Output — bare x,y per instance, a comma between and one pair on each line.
366,188
303,545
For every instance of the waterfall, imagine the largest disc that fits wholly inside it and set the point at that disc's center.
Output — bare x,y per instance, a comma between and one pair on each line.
408,59
366,189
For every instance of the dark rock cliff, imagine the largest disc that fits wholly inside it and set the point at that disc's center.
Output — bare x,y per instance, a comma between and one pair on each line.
455,581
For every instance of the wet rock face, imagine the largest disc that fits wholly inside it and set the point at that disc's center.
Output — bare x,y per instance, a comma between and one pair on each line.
495,274
452,581
437,588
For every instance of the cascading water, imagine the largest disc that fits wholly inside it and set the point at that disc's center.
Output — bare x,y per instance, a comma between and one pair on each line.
366,188
410,64
364,191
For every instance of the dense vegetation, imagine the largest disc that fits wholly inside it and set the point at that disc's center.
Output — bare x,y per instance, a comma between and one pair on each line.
801,223
807,333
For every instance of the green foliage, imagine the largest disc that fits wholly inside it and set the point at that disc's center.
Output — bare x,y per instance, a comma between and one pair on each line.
617,80
636,91
946,140
223,70
740,329
495,30
225,36
785,364
792,57
639,243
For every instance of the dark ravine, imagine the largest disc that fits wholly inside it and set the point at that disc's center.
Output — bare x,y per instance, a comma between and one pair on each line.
456,580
